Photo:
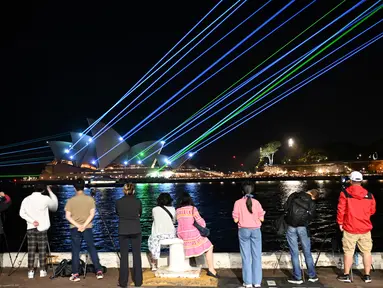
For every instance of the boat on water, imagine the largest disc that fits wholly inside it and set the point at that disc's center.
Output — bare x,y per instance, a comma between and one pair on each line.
95,180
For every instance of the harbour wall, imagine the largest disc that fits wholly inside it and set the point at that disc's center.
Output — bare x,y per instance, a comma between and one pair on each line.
270,260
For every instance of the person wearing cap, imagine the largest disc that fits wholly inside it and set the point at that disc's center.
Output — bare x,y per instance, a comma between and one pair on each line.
356,206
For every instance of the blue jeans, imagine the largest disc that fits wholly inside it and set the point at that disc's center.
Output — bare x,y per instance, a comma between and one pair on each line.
250,243
76,238
292,235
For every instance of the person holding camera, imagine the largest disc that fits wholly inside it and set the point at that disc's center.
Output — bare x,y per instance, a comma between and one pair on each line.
35,211
5,202
79,211
300,208
355,207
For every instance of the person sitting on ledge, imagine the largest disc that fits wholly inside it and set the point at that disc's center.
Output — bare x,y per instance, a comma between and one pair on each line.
194,244
164,216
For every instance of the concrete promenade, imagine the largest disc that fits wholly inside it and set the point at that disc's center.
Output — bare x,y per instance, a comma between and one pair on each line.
277,266
230,278
270,260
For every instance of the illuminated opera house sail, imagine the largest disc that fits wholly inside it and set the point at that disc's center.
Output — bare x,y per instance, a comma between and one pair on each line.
106,150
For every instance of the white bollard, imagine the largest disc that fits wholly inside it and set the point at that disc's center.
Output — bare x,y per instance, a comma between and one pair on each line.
179,266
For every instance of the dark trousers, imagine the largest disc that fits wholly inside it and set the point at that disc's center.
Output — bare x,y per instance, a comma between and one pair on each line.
77,237
39,239
135,240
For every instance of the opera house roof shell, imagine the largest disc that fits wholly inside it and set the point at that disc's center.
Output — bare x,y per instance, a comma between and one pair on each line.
88,151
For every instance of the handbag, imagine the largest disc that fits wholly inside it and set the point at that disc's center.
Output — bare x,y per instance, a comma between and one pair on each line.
205,232
281,225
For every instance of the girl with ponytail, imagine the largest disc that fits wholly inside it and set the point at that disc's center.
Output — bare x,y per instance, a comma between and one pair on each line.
249,215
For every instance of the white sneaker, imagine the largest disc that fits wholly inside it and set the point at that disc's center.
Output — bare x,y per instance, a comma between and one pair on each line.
31,274
257,285
43,273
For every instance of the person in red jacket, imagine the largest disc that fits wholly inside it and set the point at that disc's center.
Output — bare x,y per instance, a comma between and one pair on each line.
356,206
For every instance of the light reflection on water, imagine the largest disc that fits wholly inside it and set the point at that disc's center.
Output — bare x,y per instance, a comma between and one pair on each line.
215,202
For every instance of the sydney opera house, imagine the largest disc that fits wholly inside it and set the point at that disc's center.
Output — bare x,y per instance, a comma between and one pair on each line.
106,153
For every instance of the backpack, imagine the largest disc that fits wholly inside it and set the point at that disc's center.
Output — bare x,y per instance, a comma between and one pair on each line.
64,269
297,214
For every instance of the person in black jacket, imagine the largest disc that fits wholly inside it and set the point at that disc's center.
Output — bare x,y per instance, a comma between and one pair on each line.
5,202
300,209
129,210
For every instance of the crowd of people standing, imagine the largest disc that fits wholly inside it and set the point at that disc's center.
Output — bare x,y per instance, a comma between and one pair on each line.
356,206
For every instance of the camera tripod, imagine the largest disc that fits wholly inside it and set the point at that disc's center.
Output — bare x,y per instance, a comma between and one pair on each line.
93,194
13,269
4,236
285,249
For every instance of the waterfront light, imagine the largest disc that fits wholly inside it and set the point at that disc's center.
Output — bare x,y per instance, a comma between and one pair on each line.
126,163
90,140
167,161
162,142
291,142
80,134
191,154
71,157
121,139
93,162
139,162
66,151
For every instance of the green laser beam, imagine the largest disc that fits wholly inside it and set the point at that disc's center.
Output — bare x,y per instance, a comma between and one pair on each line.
244,105
247,74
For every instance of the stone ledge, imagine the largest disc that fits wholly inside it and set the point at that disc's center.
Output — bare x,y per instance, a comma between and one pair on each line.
221,260
202,281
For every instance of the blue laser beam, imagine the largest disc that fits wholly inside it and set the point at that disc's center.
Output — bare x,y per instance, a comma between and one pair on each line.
200,55
142,80
226,65
236,99
29,149
254,76
200,75
238,109
294,89
34,140
25,159
22,164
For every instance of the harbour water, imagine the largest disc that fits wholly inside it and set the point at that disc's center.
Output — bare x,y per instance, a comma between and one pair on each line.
214,201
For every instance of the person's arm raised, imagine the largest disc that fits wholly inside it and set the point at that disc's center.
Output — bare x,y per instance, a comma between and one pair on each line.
53,203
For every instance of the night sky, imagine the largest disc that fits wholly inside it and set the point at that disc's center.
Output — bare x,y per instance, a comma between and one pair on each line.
63,62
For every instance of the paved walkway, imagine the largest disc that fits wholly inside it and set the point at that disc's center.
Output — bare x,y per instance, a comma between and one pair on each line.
229,278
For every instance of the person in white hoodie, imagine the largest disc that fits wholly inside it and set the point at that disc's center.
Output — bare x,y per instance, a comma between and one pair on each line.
35,210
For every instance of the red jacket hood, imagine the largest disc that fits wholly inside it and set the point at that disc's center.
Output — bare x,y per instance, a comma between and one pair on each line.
357,191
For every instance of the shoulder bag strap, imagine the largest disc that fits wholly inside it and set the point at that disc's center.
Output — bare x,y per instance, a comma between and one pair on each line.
167,211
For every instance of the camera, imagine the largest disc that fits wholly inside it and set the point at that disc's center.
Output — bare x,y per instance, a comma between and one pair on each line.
345,181
93,192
